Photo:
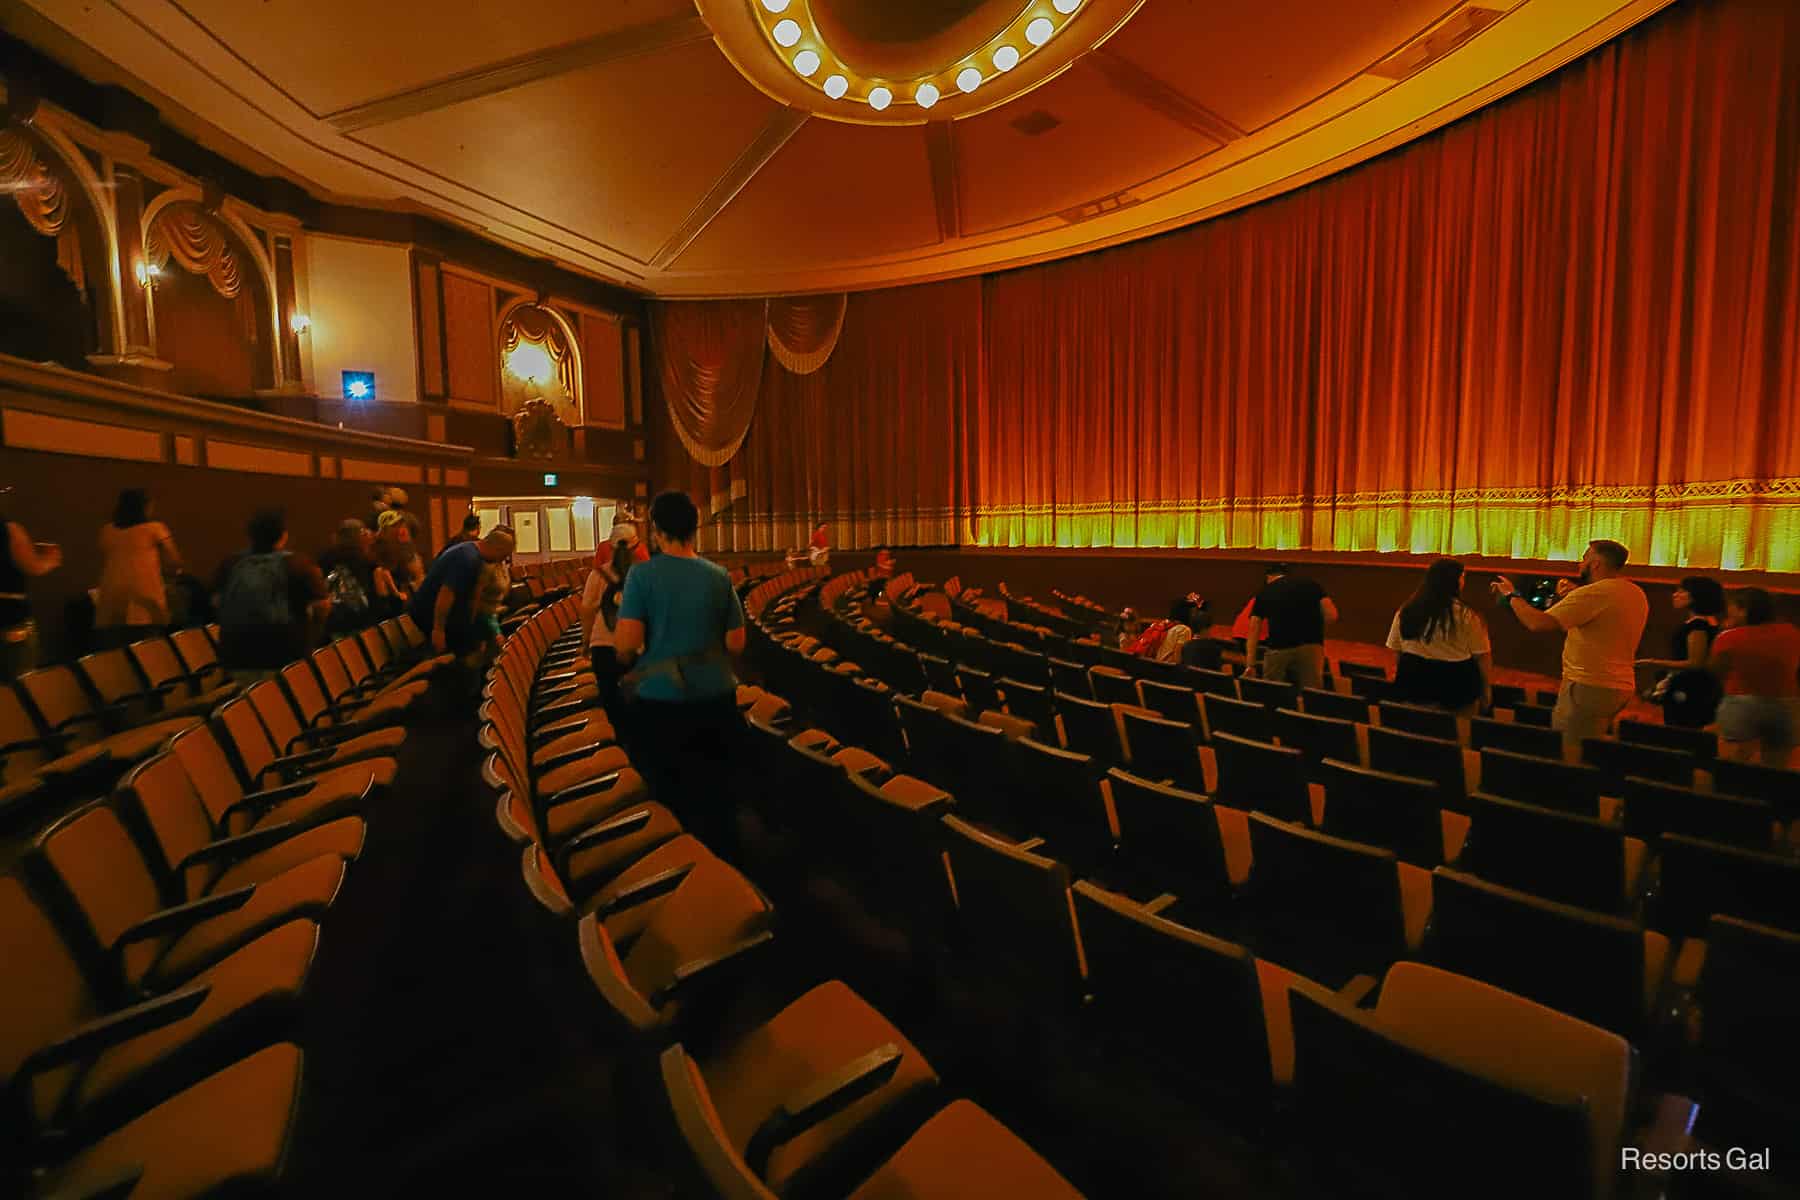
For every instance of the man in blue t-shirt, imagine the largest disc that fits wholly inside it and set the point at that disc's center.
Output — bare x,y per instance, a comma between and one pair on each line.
680,623
444,605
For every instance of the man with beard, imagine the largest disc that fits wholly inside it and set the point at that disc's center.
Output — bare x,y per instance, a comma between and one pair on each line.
1604,617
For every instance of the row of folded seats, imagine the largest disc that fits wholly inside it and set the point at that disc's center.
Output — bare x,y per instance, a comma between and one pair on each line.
542,586
820,1095
1336,871
158,941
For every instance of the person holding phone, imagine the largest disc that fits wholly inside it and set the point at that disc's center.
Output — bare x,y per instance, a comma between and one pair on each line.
1603,615
20,559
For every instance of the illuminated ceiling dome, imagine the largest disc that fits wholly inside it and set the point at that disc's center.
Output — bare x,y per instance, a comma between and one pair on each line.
955,58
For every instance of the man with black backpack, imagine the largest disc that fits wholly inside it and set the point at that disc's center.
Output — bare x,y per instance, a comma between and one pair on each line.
268,598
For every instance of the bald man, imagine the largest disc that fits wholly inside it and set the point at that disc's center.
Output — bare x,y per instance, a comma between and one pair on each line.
444,605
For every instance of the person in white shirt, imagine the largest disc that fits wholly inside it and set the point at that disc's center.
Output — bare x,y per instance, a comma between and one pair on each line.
1604,617
1446,660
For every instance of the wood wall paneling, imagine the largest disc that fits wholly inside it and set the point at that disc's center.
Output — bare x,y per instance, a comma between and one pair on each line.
382,472
634,373
26,430
456,476
187,450
430,308
603,371
266,460
434,427
469,339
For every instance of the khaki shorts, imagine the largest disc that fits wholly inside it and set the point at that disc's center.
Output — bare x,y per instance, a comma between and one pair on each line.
1303,665
1585,711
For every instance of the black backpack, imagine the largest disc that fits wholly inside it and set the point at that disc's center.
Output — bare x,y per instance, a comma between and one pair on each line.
256,592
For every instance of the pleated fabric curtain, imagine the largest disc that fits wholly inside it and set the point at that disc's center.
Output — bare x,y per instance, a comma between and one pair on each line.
1570,315
803,330
710,356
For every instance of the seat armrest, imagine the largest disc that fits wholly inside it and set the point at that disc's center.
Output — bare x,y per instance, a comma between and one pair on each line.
566,707
646,890
1162,902
1357,992
183,916
255,802
112,1029
582,790
819,1103
709,970
608,831
569,756
243,845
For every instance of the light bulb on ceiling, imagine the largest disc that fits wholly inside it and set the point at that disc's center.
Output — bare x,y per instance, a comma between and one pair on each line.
1037,33
927,95
880,98
1006,58
968,79
787,31
806,62
1065,7
775,6
836,86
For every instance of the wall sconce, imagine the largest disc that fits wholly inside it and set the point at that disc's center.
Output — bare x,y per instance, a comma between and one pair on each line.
148,274
299,322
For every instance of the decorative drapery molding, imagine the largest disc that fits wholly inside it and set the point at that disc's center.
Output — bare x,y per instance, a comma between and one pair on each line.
44,200
711,357
533,324
197,243
803,330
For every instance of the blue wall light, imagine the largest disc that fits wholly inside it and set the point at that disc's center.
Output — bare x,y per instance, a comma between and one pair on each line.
359,385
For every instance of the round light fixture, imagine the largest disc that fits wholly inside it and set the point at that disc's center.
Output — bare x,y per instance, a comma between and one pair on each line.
968,79
880,98
775,6
1037,33
1006,58
1064,7
806,62
787,31
927,95
836,86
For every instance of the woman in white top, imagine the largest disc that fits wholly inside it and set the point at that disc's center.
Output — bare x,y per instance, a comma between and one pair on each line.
1446,660
136,553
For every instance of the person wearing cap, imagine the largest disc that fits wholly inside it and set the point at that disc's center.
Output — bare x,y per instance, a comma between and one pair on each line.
398,569
446,605
1287,623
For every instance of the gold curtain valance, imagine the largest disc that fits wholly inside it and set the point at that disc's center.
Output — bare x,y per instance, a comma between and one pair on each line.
196,242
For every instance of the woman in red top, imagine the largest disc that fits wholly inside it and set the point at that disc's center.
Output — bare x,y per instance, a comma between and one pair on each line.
1758,658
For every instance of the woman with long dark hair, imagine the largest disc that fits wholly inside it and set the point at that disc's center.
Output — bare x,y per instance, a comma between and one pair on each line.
137,554
1446,659
1687,691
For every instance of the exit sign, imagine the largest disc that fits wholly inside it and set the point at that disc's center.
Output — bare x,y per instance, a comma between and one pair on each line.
549,479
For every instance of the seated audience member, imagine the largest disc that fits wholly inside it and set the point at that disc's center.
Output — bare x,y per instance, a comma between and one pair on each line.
883,571
818,550
444,606
1446,660
21,559
680,624
349,568
1165,640
1131,627
1758,657
1687,691
137,553
269,599
1287,626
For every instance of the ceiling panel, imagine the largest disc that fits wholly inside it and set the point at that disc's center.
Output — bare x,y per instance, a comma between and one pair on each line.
834,192
585,149
1104,141
332,54
1251,63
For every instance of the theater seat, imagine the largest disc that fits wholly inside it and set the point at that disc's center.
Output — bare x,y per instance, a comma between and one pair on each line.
1176,841
328,793
1395,811
1013,907
247,1110
283,724
1653,808
1698,879
1550,782
1560,856
807,1042
91,858
1745,1065
1515,737
1262,777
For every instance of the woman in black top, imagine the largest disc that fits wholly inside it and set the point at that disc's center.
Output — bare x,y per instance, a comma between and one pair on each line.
20,558
1688,693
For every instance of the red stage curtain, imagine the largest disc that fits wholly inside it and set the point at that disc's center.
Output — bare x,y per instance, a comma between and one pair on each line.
803,330
711,356
1570,315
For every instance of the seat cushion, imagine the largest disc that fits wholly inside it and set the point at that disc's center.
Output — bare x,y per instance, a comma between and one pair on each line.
566,820
817,1035
596,864
964,1154
342,837
622,927
251,993
600,762
305,891
247,1108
